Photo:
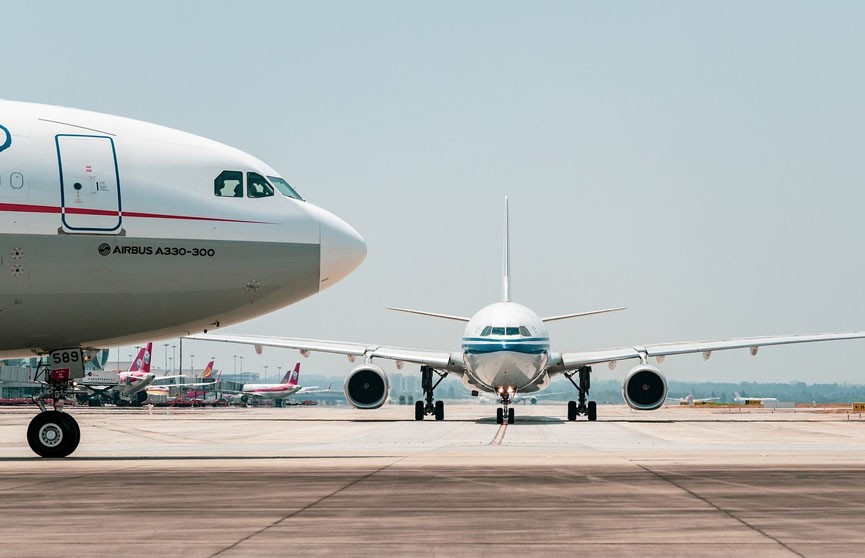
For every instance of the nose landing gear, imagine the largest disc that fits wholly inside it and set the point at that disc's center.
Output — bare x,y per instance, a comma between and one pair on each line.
505,411
53,433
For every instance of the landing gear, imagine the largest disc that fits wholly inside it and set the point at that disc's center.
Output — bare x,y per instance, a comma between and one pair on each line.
505,412
428,406
577,408
53,433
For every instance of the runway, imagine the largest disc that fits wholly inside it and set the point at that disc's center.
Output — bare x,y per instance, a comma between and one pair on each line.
324,481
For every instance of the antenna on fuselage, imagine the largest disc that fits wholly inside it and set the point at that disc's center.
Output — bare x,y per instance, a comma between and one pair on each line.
506,278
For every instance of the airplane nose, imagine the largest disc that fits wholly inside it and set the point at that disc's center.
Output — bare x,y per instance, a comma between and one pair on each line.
342,249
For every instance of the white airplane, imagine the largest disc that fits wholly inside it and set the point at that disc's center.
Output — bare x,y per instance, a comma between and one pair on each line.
505,351
288,387
689,400
751,400
96,208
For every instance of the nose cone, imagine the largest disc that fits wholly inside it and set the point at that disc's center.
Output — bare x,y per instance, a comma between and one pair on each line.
342,249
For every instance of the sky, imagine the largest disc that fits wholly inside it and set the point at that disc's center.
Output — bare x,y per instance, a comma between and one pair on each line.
698,162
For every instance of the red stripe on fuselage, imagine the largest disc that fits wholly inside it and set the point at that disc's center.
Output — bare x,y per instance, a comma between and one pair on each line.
30,208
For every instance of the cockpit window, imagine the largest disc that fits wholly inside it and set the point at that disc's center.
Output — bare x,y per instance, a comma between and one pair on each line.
257,186
284,187
229,184
486,331
524,331
513,331
498,331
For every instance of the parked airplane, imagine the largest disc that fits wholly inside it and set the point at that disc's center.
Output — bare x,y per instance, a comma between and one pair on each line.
505,351
97,208
751,400
130,385
689,400
166,385
287,387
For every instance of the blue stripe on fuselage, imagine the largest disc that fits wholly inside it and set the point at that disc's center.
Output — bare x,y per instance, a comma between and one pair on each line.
527,345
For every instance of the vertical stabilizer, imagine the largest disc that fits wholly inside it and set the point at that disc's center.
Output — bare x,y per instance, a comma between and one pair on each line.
506,276
291,377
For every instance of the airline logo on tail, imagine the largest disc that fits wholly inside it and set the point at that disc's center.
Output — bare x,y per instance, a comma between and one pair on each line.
208,370
292,376
142,360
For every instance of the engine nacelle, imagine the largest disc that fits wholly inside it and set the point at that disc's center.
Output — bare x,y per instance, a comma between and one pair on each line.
366,387
644,388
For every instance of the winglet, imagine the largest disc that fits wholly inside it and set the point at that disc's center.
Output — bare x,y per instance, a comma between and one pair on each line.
506,276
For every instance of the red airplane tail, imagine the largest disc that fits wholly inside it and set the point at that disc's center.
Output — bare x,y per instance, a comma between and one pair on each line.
208,370
142,360
291,377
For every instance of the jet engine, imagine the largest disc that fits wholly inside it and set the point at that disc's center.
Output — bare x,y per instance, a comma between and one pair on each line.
366,387
644,388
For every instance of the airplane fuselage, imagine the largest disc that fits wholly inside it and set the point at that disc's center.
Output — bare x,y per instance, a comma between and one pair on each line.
506,349
101,213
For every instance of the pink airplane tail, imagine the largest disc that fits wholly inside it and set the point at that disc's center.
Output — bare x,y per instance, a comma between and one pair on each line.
291,377
142,360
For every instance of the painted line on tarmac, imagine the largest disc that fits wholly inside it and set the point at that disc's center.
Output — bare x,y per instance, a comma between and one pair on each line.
500,435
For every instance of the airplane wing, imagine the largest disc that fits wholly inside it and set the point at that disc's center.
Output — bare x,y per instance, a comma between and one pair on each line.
437,359
572,361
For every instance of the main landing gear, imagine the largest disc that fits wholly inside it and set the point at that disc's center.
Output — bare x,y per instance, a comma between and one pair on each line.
428,406
53,433
505,411
575,408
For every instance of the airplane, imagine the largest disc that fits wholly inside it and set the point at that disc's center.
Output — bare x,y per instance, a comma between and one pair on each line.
506,351
287,387
130,385
96,208
161,387
752,400
689,400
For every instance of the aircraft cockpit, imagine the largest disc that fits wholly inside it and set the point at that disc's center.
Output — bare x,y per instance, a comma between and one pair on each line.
506,331
229,184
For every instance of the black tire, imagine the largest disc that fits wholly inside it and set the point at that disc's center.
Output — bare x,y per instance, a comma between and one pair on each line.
53,434
572,411
592,411
511,415
500,416
440,410
418,410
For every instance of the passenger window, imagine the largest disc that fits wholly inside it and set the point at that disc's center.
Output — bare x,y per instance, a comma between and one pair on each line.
486,331
257,186
229,184
524,331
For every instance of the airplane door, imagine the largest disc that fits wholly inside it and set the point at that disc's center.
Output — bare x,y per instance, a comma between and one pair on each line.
89,183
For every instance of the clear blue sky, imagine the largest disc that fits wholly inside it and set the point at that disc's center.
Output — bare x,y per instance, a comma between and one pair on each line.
700,163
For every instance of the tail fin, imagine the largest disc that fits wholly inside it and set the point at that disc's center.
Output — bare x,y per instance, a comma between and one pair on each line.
142,360
208,370
506,275
292,376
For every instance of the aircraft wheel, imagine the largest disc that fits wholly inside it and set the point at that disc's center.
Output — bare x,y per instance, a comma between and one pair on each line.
572,410
440,410
500,416
592,410
53,434
511,415
418,410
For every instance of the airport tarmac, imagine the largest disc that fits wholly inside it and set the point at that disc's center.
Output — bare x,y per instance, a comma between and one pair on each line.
313,481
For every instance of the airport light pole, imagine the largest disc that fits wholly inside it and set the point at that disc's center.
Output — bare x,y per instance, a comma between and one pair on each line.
173,355
265,373
241,369
166,355
191,365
